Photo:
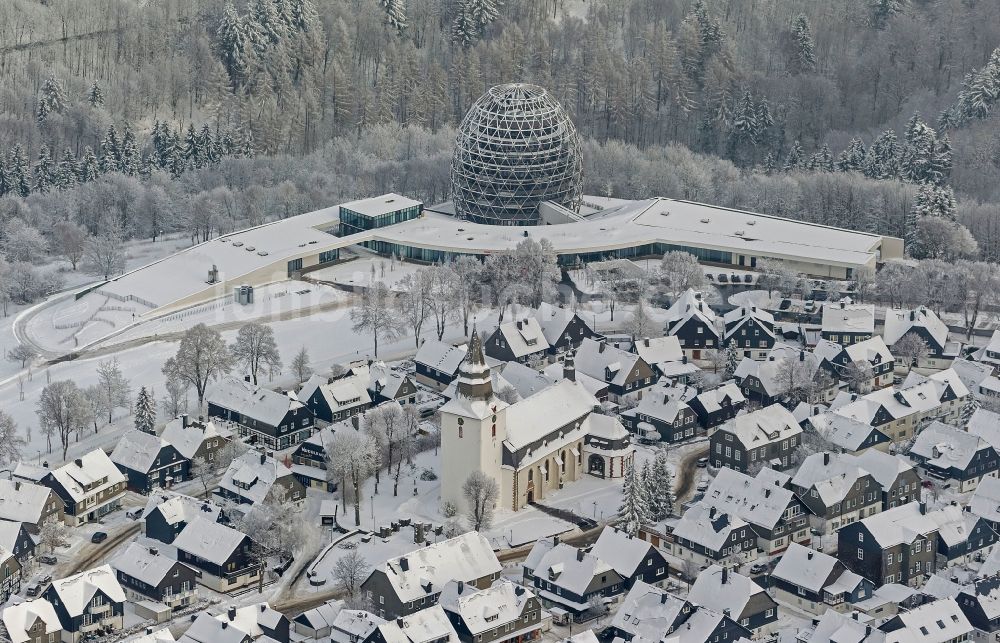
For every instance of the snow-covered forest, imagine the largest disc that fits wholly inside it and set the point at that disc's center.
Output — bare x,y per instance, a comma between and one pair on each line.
132,119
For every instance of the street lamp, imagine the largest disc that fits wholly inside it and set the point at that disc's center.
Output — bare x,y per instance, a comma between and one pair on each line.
373,513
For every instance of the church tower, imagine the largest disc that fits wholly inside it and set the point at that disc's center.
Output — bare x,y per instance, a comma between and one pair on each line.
473,427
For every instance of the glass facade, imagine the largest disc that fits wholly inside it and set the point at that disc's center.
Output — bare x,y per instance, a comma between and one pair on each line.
351,221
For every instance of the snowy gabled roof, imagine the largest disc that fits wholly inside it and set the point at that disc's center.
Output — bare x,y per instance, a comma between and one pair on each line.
523,336
252,619
707,526
805,567
525,380
885,468
834,627
602,361
660,402
162,635
251,400
985,500
945,447
538,551
570,568
872,350
188,439
383,379
985,424
971,373
985,354
761,500
467,557
351,626
606,427
842,431
648,612
146,564
690,303
206,628
936,622
497,381
209,540
137,450
96,466
429,625
841,317
917,395
9,533
734,594
832,475
485,609
440,356
770,424
553,320
657,350
593,385
900,322
987,593
769,371
20,617
76,591
562,404
711,399
176,507
22,501
899,525
740,315
252,475
625,553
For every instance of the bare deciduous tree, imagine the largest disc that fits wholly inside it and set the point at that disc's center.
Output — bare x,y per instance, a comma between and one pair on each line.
201,357
375,314
11,441
481,493
300,365
255,349
22,353
911,348
61,410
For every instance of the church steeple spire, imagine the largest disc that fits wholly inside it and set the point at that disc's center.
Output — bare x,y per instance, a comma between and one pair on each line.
474,381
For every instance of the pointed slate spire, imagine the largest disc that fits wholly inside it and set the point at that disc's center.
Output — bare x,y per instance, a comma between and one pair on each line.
474,380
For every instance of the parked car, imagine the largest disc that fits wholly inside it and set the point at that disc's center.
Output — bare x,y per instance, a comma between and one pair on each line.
33,591
758,568
723,279
702,463
98,537
702,486
47,559
136,514
748,279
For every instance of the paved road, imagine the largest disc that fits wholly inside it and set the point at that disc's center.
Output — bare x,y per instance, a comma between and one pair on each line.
688,473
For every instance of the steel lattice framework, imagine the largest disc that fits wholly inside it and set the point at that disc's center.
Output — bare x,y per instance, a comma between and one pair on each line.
516,147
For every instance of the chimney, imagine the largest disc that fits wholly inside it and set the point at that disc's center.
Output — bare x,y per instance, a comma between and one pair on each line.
555,540
802,356
767,493
263,607
843,304
569,368
78,462
770,358
684,359
418,533
201,419
263,458
711,513
913,315
184,420
663,598
923,508
231,613
646,342
153,551
600,347
826,458
725,574
809,555
519,324
461,586
579,555
399,622
17,485
224,624
701,307
149,630
404,564
246,378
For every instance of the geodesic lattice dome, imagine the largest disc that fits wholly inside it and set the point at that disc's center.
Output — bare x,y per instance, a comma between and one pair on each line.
516,147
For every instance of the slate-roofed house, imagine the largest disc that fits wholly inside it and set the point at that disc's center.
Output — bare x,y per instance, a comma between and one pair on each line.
90,487
32,622
436,363
29,503
309,458
353,626
649,613
220,553
429,625
750,330
722,590
898,545
146,574
251,477
663,415
718,405
317,623
504,611
924,323
607,447
815,582
706,535
149,462
87,603
385,384
898,479
980,602
336,399
260,621
769,435
167,514
407,584
776,516
10,575
626,373
570,579
633,558
692,322
846,323
16,538
940,621
765,382
989,354
196,439
206,628
871,351
563,328
275,420
836,490
962,535
947,453
518,340
661,353
848,434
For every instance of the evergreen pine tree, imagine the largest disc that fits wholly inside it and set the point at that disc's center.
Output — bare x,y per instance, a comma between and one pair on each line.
18,172
852,159
939,168
234,43
770,164
882,11
979,90
302,15
634,510
145,411
804,60
659,486
733,359
110,150
52,95
794,160
268,23
192,147
5,185
42,112
90,168
395,14
744,130
207,144
969,409
919,151
821,161
96,95
248,150
128,162
935,201
68,169
882,160
46,175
